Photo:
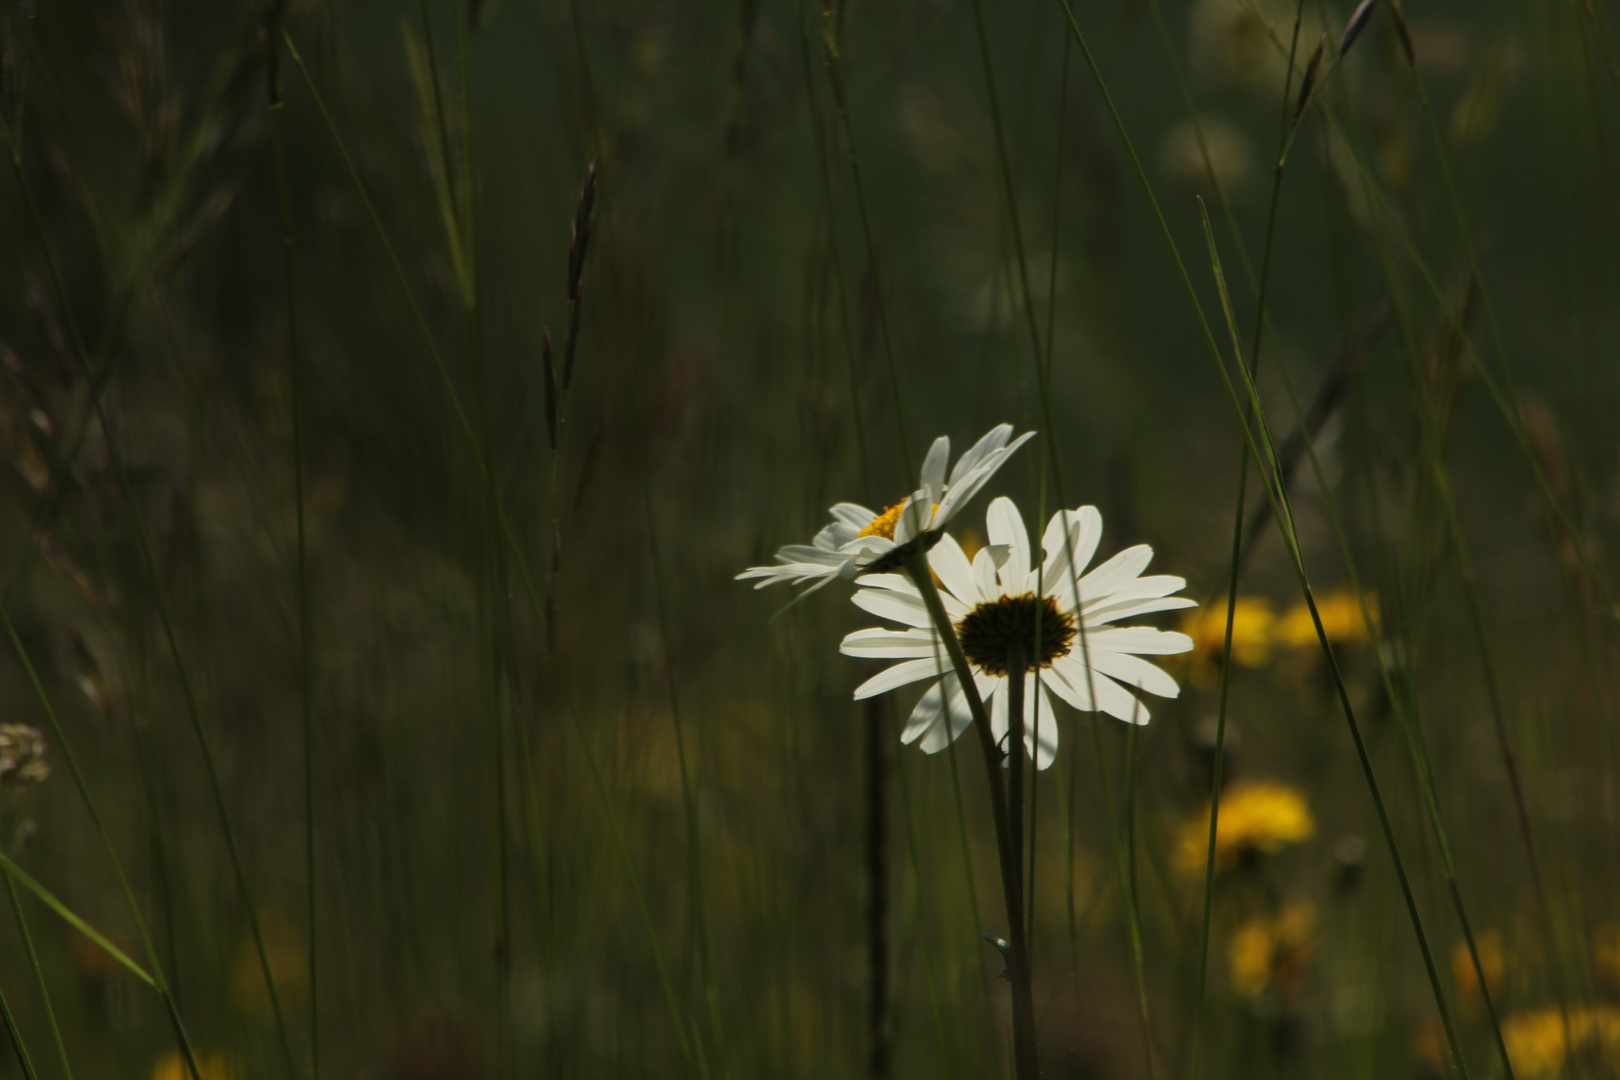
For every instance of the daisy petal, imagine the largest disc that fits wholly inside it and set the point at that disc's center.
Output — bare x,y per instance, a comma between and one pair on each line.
888,604
1133,671
1040,724
1006,526
988,443
891,644
1115,572
1064,565
1140,639
952,724
1142,588
984,575
954,570
924,716
901,674
1133,608
933,470
853,514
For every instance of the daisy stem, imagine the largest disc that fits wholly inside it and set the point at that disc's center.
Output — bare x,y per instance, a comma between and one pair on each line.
1026,1062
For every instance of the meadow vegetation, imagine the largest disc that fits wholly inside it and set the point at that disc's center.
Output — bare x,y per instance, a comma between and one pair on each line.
392,393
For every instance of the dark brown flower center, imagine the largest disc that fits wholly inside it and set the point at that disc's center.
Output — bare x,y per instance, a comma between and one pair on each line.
1032,625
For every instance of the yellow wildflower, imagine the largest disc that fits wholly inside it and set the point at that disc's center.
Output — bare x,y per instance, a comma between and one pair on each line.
1272,953
1341,621
1255,819
1539,1043
1490,962
1252,621
172,1066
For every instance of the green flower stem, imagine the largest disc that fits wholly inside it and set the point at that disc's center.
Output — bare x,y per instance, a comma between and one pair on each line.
1025,1059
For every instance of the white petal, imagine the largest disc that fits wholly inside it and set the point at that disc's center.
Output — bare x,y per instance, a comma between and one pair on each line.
999,705
853,514
924,716
971,480
1006,526
954,570
1068,673
907,671
891,644
989,442
933,469
1108,577
1040,725
1132,671
888,604
1139,639
984,574
1142,588
899,583
1133,608
1067,558
949,726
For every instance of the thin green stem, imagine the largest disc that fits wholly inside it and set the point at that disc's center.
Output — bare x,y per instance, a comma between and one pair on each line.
305,682
694,1065
689,803
104,371
15,1035
39,975
210,766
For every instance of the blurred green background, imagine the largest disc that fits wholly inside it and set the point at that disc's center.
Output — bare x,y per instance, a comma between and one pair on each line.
580,804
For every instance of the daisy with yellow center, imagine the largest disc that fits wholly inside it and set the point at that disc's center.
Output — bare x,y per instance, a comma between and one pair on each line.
1255,819
860,541
1055,623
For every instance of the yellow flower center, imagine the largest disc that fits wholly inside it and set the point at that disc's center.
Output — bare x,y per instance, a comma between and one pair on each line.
883,525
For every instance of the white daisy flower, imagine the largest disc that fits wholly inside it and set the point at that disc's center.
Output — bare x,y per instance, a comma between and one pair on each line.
993,603
860,541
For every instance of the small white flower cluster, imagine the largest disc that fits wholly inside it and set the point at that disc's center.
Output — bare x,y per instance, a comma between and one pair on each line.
1001,596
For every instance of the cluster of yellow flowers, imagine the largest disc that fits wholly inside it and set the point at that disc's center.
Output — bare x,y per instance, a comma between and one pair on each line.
1258,631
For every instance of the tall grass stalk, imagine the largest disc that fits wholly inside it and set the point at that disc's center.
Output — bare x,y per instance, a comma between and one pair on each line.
689,805
833,53
695,1064
946,1056
16,1039
1456,540
1238,513
1278,495
1407,717
37,222
305,680
447,384
39,976
210,766
1278,498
